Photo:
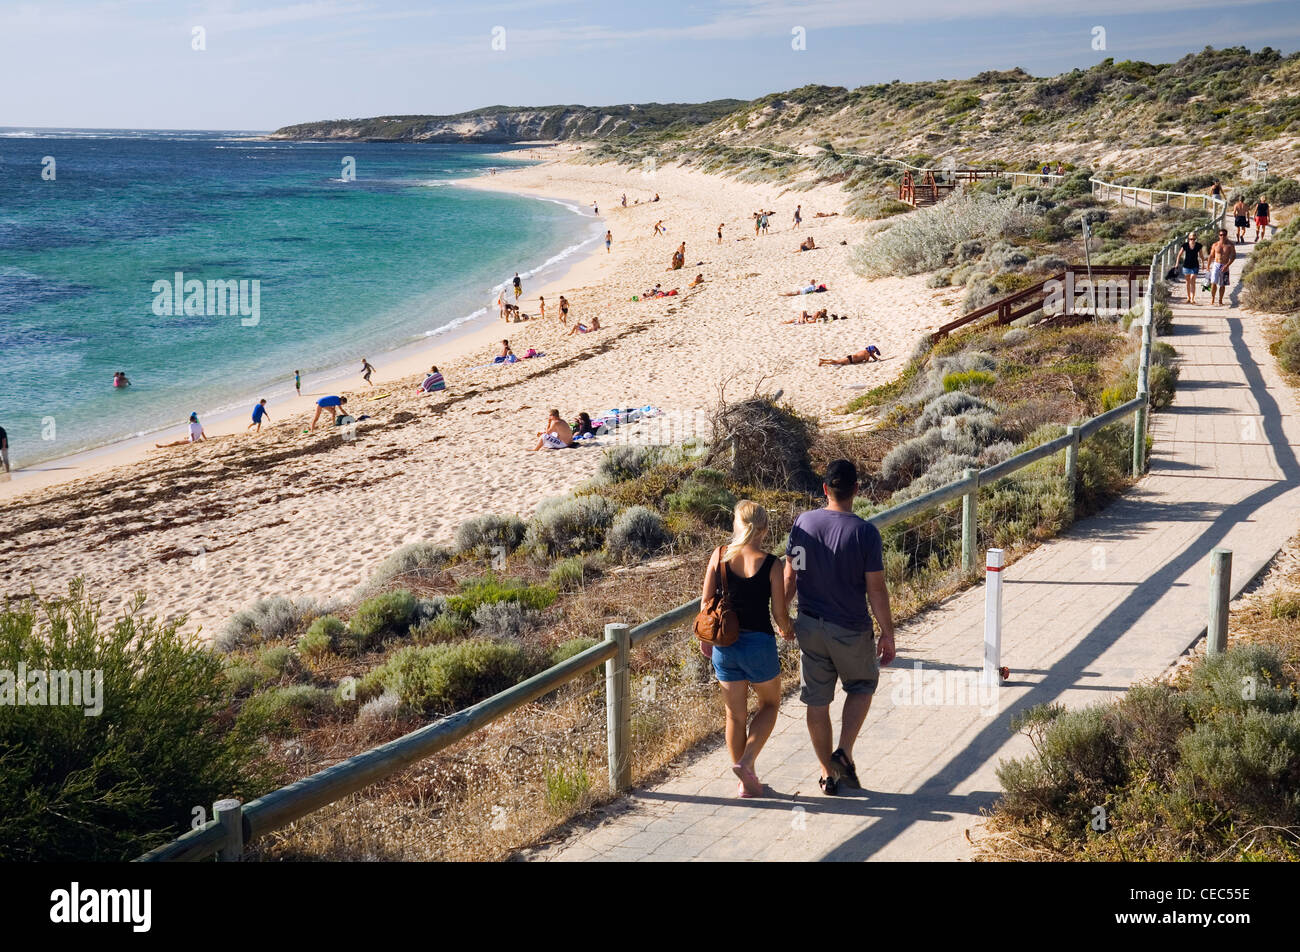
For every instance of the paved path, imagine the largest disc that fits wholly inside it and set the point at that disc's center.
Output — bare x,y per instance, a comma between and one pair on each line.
1117,598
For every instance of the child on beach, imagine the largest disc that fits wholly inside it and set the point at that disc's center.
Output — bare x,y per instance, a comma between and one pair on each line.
196,434
119,379
259,412
433,382
297,381
720,224
541,306
609,238
519,287
366,371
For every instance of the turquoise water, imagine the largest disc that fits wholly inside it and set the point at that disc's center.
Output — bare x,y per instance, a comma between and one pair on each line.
343,269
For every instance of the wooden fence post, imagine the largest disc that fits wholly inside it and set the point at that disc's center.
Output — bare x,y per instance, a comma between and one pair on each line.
230,814
1140,435
618,720
1220,586
969,509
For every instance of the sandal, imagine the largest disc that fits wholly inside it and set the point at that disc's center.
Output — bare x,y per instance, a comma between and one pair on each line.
830,786
743,793
841,760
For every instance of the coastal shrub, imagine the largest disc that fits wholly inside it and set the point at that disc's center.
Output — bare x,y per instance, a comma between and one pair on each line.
490,589
383,616
924,240
325,634
574,646
1283,192
416,560
488,536
1017,335
952,404
566,785
711,503
1288,352
1215,685
448,626
242,678
505,620
444,678
379,711
1162,383
1162,319
966,380
107,788
266,619
570,525
621,463
637,532
278,661
571,574
282,710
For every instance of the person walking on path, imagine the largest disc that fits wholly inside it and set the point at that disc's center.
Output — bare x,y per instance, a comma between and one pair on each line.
259,412
366,370
1261,217
755,586
835,562
297,381
1190,259
1240,219
1222,254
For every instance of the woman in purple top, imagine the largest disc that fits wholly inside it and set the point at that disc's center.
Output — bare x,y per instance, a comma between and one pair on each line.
756,587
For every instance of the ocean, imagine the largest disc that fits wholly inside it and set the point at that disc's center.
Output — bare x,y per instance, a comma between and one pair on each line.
208,266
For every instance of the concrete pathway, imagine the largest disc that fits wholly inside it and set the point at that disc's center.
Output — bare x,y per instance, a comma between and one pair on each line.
1116,599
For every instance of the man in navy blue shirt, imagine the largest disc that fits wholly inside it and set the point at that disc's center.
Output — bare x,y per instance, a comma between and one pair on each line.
834,560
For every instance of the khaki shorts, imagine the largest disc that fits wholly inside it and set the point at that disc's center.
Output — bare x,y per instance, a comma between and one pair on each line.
827,652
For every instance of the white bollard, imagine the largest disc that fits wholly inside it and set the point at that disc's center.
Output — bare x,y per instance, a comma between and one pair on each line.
993,616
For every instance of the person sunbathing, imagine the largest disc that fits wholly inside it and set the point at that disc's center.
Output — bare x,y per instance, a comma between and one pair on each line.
583,328
699,279
557,436
870,353
505,351
812,287
808,244
806,318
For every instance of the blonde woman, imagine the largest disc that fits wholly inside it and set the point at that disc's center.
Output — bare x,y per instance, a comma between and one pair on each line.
755,583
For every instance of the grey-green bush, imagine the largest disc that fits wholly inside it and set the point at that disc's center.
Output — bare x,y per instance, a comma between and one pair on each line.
505,619
621,463
444,678
570,525
266,619
383,616
637,532
417,560
489,535
326,633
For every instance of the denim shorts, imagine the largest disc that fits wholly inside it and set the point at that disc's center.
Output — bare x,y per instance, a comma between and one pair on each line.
752,658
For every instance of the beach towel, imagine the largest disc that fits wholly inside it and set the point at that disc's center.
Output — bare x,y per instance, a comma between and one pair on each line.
553,442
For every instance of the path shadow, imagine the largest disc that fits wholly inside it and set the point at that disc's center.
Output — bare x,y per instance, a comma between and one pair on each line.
1104,634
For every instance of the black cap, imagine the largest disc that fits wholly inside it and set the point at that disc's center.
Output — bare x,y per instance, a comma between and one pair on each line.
842,476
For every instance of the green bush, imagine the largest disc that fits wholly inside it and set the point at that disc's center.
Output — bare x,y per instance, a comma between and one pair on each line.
567,649
448,626
1283,192
326,633
383,616
621,463
637,532
709,502
107,788
571,574
968,380
570,526
491,589
1288,352
566,786
278,661
266,619
444,678
1162,319
284,710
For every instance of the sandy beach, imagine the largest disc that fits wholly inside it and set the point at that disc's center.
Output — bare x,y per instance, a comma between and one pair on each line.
206,528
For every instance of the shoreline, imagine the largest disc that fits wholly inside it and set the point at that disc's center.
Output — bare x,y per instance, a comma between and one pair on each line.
207,528
471,333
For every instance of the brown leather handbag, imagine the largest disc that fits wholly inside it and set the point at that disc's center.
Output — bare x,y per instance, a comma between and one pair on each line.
718,625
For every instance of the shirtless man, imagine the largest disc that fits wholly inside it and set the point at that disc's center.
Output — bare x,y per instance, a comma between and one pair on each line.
806,318
808,244
1222,254
1240,218
557,434
871,352
660,229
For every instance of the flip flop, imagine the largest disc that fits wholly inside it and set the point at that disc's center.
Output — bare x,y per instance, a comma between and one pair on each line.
742,792
751,783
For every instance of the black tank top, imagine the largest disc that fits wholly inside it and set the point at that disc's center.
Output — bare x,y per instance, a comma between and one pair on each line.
752,597
1191,254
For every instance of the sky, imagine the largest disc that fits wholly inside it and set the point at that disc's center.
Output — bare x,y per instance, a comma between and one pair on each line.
256,66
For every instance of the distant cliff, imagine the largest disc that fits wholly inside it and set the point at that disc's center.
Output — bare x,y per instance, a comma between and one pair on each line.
522,124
